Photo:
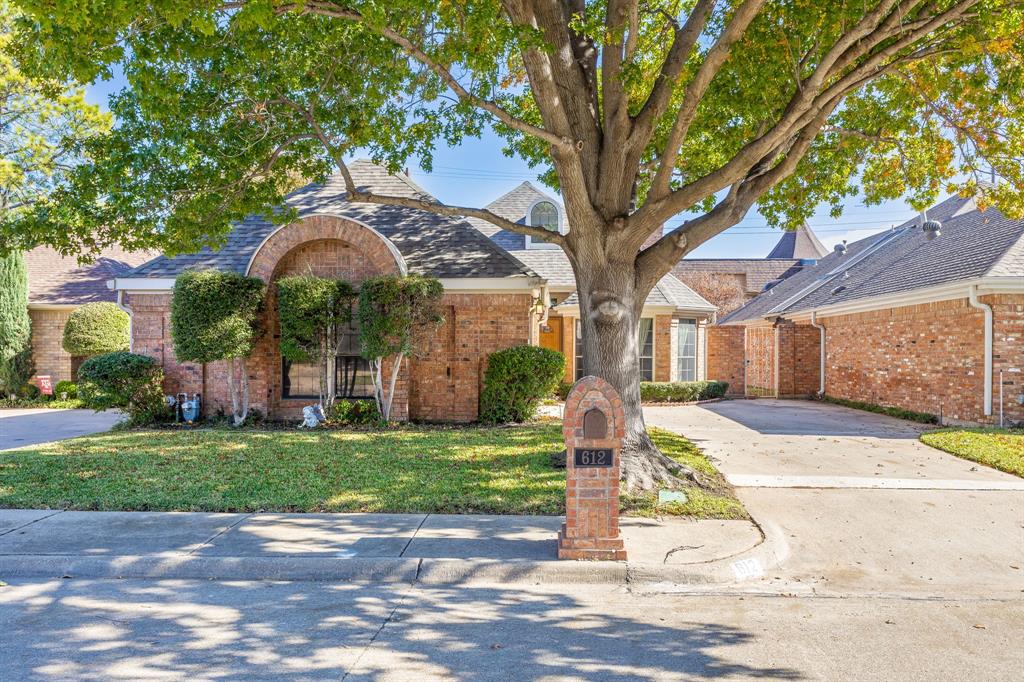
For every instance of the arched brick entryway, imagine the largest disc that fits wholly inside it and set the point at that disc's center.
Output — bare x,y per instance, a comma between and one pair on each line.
325,246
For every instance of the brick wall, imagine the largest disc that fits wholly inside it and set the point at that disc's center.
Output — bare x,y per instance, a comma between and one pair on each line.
1007,355
725,356
445,384
47,343
928,357
799,358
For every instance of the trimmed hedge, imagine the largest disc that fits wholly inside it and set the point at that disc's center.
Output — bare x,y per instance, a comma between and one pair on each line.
127,381
96,328
681,391
354,412
668,391
898,412
214,315
517,379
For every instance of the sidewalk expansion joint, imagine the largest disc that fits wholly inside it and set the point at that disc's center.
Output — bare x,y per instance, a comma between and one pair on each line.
413,537
216,535
26,525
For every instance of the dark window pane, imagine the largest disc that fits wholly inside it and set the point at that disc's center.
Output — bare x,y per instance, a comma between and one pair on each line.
299,380
544,214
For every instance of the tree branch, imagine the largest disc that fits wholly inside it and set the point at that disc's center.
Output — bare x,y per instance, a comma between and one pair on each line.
330,10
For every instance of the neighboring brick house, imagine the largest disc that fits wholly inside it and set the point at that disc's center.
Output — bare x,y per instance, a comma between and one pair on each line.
672,322
57,285
794,250
905,318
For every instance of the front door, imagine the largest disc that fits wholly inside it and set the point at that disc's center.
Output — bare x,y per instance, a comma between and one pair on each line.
551,334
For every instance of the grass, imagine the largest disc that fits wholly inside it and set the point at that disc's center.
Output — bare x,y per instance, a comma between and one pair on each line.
409,469
898,412
1001,449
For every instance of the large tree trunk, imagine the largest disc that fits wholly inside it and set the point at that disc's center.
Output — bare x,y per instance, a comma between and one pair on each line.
610,308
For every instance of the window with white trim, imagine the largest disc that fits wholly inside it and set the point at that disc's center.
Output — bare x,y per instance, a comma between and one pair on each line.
645,341
543,214
686,349
579,351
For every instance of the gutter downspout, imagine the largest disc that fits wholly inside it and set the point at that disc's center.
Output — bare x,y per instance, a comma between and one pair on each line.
131,319
821,353
975,303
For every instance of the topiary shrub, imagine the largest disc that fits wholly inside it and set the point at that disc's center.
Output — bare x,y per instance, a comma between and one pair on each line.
397,316
516,380
214,317
681,391
313,313
127,381
68,387
96,328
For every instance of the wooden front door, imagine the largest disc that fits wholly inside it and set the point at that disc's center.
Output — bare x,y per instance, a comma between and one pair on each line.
551,334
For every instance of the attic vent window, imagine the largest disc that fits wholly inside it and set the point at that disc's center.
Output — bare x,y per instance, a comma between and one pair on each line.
544,214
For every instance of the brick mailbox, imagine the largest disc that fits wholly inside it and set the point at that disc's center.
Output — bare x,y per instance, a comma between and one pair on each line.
594,425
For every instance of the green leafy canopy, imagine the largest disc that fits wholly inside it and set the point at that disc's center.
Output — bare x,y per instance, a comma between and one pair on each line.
397,313
311,311
678,105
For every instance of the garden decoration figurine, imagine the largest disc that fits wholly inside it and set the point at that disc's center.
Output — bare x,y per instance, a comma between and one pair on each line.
312,416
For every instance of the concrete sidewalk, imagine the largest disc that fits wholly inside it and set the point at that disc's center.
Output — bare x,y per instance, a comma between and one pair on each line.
436,548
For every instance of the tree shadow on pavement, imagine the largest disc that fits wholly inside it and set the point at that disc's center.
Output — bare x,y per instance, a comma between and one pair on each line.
117,629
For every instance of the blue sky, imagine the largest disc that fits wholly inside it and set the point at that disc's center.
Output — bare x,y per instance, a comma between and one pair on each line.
476,172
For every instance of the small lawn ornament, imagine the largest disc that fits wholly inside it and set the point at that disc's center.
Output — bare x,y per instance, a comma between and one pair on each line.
312,415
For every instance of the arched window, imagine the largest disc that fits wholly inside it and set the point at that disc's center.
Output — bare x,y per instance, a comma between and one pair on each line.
544,214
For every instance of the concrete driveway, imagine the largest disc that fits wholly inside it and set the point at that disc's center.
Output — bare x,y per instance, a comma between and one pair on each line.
19,428
865,506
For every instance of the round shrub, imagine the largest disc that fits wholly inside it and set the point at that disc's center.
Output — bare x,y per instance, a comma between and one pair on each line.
96,328
127,381
517,379
68,387
354,412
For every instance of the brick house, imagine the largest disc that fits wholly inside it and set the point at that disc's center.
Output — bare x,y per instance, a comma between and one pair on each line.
492,299
794,250
672,322
909,318
57,285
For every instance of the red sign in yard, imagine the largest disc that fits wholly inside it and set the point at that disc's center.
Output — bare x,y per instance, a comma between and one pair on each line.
44,384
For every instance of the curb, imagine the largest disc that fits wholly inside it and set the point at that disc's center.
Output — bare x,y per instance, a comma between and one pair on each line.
749,564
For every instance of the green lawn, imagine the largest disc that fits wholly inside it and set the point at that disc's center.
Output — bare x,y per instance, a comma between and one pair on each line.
410,469
999,448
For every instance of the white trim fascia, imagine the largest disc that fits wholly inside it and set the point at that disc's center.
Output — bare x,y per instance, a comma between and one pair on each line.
480,285
402,268
941,292
53,306
574,310
142,284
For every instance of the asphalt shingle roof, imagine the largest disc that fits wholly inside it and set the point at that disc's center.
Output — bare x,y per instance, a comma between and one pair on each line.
432,245
972,244
669,291
799,243
54,279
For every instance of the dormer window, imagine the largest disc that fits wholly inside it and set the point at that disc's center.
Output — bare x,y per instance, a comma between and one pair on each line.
543,214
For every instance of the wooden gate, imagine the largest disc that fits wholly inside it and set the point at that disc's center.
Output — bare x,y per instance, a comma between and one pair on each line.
761,375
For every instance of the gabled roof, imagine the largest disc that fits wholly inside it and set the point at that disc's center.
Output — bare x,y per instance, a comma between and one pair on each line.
973,244
757,272
668,292
514,205
431,245
54,279
800,243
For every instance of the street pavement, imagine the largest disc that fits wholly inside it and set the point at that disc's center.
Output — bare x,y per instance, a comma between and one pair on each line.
22,427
